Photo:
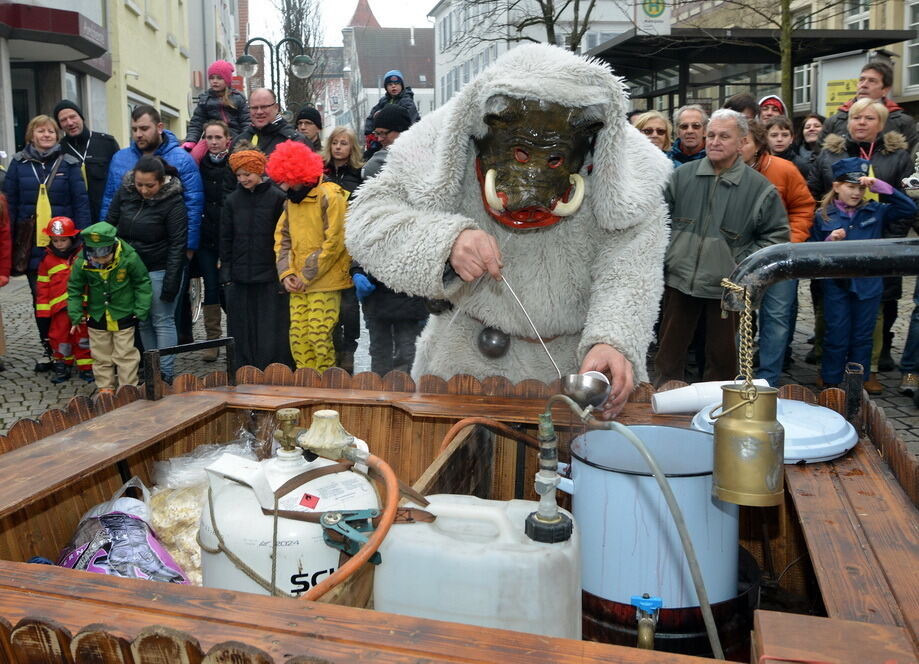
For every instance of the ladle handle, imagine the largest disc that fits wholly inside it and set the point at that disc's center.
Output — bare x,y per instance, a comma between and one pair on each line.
532,325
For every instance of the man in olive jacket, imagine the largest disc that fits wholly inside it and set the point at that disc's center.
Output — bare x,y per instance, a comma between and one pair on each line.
721,211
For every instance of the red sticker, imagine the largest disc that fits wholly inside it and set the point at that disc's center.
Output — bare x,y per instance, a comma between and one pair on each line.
309,501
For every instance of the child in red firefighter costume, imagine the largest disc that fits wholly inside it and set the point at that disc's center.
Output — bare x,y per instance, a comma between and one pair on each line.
51,302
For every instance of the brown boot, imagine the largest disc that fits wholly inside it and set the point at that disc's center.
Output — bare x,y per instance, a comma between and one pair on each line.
873,386
212,328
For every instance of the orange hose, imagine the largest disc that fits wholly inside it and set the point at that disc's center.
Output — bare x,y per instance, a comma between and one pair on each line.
495,425
373,543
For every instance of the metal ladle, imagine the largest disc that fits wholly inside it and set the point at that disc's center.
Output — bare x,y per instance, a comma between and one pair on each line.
590,388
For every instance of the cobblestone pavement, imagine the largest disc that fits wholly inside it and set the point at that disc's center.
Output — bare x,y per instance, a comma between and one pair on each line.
27,394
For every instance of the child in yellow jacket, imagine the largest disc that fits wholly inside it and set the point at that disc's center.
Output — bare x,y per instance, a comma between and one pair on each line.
309,243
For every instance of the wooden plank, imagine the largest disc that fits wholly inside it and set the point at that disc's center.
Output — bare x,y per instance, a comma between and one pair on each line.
890,523
785,637
36,470
465,467
851,582
282,627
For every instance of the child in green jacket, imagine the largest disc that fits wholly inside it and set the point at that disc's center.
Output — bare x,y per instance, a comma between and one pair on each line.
116,288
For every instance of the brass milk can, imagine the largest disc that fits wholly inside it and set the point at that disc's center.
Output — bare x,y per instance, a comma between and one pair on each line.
749,447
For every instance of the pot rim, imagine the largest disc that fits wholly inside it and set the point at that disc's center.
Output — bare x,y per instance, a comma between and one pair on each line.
647,473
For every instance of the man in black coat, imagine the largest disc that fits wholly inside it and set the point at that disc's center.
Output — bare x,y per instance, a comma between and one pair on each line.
269,128
93,148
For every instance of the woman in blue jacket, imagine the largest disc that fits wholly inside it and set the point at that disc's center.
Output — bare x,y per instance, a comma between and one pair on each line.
34,166
850,306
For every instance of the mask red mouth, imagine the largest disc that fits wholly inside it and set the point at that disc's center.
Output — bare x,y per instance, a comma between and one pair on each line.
534,216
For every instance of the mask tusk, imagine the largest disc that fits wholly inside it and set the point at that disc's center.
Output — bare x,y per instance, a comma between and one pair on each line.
563,209
491,194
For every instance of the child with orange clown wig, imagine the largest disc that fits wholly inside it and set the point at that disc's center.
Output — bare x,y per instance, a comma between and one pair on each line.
309,245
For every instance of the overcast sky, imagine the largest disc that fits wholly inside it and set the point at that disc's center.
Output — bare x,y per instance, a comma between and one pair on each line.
263,17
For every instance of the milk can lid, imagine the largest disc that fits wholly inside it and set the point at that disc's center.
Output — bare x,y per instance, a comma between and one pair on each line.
812,433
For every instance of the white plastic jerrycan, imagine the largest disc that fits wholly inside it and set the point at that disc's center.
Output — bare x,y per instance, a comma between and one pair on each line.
475,565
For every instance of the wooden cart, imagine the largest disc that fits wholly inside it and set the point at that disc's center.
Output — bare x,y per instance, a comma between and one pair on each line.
846,538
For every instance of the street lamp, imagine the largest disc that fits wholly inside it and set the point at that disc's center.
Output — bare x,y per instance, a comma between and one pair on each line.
302,66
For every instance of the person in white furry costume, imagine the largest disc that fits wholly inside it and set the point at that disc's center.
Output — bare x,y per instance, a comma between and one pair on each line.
591,280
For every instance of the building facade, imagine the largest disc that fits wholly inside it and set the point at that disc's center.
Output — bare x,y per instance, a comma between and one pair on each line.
370,51
50,51
214,25
471,35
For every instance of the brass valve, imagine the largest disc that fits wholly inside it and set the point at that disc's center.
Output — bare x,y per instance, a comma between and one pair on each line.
287,428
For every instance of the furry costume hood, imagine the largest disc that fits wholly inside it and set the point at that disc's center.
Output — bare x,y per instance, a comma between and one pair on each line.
539,71
892,141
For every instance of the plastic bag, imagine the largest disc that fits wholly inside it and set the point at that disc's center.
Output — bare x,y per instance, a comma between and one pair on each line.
114,538
179,496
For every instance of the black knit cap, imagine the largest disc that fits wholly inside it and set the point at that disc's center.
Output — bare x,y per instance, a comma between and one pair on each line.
392,117
66,103
311,114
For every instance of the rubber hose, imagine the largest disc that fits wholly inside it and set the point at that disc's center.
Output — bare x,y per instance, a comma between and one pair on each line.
494,425
391,484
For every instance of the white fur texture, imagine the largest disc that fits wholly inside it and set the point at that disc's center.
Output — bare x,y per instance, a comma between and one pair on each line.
595,277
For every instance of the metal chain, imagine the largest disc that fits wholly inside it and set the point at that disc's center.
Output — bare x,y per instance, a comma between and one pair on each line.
745,352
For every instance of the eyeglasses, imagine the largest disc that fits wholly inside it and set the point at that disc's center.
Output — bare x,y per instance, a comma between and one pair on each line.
650,131
382,133
694,125
259,109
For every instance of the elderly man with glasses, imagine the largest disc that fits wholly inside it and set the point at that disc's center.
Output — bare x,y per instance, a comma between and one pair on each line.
690,122
269,128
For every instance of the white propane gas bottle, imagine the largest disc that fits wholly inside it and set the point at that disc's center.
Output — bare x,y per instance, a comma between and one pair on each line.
241,488
475,565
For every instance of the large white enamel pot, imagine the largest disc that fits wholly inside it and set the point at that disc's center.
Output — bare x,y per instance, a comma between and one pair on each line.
629,543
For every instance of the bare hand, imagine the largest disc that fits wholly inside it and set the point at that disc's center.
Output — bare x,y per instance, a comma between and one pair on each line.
74,329
293,284
838,234
474,253
606,359
4,280
867,181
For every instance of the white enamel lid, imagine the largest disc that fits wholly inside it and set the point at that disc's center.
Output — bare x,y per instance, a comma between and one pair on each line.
812,433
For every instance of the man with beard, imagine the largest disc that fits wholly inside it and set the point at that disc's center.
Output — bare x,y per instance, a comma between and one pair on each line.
93,148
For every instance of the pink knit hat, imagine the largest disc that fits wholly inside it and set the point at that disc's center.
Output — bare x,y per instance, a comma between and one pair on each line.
223,69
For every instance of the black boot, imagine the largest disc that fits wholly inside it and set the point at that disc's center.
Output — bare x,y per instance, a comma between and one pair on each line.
44,363
61,373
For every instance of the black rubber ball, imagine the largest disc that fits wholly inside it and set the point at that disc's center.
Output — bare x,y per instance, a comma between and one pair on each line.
493,343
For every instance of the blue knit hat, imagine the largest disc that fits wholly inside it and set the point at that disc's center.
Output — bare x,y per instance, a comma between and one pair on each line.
394,76
850,169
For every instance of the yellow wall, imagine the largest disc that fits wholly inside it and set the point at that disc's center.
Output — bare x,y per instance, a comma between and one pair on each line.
140,32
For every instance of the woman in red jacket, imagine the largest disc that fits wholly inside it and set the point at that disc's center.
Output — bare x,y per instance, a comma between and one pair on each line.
779,308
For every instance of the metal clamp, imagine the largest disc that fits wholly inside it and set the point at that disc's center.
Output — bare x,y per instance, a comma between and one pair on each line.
344,530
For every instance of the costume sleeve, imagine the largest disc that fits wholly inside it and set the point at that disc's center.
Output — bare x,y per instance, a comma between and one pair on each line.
332,206
404,244
43,291
143,288
198,118
626,289
177,230
75,287
800,206
282,246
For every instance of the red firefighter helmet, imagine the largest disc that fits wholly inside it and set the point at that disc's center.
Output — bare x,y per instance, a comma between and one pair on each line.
61,227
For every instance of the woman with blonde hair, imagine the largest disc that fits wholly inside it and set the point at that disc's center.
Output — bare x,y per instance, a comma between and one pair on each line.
342,157
656,127
42,182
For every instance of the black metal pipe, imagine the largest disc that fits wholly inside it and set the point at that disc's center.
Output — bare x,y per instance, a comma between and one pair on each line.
153,386
821,260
